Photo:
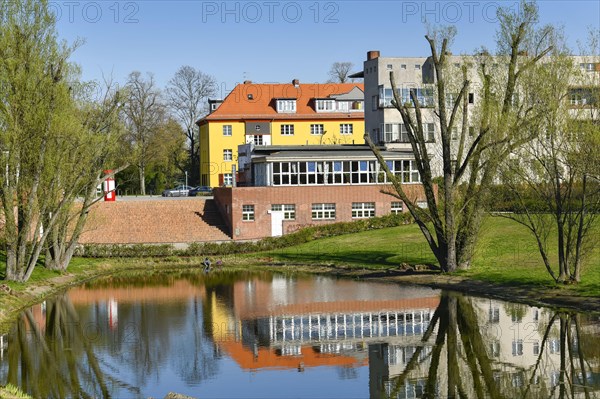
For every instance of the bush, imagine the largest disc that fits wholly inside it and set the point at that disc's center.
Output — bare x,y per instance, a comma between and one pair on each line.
236,247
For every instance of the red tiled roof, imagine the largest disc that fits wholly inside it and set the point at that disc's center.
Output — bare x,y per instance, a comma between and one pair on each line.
237,105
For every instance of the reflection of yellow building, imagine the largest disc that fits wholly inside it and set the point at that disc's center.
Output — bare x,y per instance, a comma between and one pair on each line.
277,114
300,323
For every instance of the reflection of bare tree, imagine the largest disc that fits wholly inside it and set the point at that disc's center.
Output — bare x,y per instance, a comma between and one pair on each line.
457,331
459,364
47,361
574,370
196,359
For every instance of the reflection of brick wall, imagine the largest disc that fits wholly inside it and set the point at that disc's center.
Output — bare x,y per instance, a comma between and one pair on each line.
154,221
303,197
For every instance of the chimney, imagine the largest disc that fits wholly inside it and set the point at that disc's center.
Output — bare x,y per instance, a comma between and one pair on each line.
296,82
371,55
247,82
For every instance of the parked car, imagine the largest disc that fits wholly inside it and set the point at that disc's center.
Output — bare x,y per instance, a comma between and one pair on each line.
200,190
179,191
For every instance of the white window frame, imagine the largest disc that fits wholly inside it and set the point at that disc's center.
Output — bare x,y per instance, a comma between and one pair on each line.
326,105
287,130
228,155
248,213
286,106
317,129
363,210
323,211
227,130
289,210
397,207
346,128
227,179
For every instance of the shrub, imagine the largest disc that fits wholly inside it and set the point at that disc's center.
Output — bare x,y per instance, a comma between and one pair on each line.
236,247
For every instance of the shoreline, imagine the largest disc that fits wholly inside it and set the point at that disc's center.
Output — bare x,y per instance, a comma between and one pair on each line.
14,301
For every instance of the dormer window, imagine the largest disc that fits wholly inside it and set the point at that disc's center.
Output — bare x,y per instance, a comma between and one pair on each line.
286,106
325,105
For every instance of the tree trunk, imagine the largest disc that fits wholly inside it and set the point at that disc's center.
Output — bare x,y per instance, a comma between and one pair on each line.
142,174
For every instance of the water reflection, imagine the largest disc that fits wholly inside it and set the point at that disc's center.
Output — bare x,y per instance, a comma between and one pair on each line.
202,335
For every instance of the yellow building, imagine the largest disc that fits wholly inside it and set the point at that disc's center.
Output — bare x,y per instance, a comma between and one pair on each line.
277,114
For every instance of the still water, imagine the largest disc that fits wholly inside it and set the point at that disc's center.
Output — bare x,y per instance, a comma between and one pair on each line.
264,335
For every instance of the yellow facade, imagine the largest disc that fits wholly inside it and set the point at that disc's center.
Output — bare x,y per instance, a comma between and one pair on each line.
214,166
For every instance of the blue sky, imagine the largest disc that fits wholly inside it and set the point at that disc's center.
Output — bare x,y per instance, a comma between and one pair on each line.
276,41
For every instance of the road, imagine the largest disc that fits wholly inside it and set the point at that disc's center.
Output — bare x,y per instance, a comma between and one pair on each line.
158,198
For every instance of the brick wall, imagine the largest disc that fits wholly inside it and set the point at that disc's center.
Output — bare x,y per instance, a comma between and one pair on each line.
153,222
303,197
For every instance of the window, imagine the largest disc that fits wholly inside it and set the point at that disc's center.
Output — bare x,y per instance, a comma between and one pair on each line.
325,105
536,348
397,207
494,315
517,347
471,131
248,213
429,132
403,66
417,66
471,98
287,130
587,66
374,103
553,345
317,129
257,139
389,66
341,172
226,130
346,128
289,210
286,106
362,210
227,179
424,96
227,155
454,133
494,347
323,211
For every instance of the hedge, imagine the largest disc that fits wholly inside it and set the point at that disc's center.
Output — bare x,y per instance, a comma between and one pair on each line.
239,247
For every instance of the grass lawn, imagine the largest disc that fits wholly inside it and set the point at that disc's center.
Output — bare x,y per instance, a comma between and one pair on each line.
506,253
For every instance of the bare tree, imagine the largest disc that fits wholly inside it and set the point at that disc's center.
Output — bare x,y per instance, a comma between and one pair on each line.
187,93
144,112
339,72
470,157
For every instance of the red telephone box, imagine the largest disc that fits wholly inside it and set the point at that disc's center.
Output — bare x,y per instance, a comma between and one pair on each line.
110,193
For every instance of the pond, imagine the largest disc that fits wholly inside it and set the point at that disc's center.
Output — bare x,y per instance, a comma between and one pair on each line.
265,335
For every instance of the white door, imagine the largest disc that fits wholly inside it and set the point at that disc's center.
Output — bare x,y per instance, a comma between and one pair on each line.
276,223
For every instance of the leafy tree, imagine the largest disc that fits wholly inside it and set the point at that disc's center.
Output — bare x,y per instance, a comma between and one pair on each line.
339,72
553,181
35,117
165,169
89,151
469,157
187,93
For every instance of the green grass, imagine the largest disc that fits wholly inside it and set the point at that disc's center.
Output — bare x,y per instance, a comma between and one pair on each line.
506,254
371,249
